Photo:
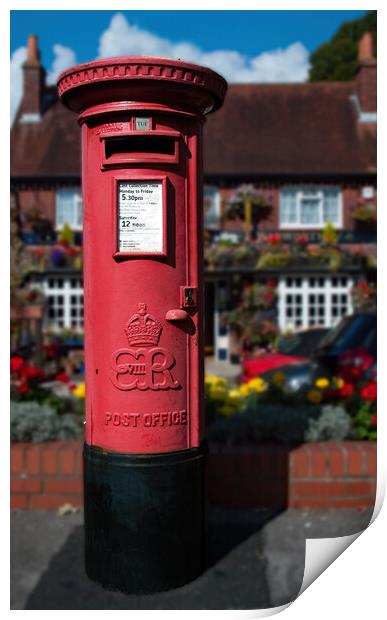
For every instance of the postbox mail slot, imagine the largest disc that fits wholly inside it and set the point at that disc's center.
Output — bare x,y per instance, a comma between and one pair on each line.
140,147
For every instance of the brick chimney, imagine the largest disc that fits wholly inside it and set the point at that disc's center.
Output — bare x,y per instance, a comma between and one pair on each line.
366,75
33,83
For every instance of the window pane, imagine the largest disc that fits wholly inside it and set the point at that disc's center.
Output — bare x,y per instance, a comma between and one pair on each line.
331,206
310,211
69,208
288,206
211,202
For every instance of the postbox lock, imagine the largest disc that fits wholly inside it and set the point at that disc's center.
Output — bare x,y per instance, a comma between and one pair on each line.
188,297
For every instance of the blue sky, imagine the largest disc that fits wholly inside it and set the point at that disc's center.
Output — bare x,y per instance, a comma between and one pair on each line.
249,32
245,46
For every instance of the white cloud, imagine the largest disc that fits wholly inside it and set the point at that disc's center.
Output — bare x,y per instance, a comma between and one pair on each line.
17,59
290,64
64,59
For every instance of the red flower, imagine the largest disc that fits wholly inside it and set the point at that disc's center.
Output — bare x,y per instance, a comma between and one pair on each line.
369,392
17,363
72,386
62,377
274,239
271,283
364,287
71,251
52,350
347,390
23,387
302,240
374,420
32,372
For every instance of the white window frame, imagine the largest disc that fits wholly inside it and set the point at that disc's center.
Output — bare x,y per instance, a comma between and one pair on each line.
77,205
301,286
70,287
303,192
215,207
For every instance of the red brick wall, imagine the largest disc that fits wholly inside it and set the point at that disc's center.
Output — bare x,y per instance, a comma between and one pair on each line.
322,475
44,201
366,86
350,195
41,200
33,77
46,476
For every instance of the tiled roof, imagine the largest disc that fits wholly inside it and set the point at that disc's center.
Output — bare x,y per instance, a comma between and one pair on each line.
262,130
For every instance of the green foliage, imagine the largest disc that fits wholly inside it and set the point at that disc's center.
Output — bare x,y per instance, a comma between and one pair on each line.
365,213
67,235
329,235
265,422
39,395
31,421
333,423
364,421
246,318
364,296
260,202
337,58
272,260
19,260
334,258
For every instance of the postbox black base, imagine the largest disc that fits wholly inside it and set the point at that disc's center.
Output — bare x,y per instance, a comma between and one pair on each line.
144,519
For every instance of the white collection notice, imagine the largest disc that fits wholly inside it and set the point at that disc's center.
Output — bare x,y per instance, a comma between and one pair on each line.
140,217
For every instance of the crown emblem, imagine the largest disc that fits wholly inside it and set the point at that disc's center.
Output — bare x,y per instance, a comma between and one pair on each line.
143,329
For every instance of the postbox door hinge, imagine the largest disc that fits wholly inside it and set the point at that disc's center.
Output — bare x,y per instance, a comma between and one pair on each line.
188,297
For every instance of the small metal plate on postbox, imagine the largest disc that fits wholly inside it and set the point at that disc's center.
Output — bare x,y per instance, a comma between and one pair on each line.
142,123
188,297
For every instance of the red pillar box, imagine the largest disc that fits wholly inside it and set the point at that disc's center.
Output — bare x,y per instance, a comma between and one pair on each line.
142,122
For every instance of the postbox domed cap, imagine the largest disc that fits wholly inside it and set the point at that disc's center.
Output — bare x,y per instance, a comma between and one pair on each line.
162,81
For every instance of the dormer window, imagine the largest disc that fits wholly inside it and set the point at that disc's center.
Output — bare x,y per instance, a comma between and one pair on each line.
310,207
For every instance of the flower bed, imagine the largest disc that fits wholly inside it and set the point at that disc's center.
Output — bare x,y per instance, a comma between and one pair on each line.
47,476
332,409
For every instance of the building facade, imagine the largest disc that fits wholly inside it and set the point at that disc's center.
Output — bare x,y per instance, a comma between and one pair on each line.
308,149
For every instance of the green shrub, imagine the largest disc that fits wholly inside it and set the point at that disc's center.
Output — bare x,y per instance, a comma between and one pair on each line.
265,422
31,421
333,423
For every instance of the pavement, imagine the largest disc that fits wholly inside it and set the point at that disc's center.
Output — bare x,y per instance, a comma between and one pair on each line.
255,559
222,369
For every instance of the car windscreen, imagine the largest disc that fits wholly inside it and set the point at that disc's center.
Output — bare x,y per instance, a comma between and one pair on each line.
302,344
351,332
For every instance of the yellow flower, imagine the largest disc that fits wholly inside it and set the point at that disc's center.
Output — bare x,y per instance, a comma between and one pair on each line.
80,391
258,384
322,383
339,382
234,395
279,378
214,380
314,396
244,389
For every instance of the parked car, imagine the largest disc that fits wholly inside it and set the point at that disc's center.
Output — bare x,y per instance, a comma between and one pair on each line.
347,350
293,348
